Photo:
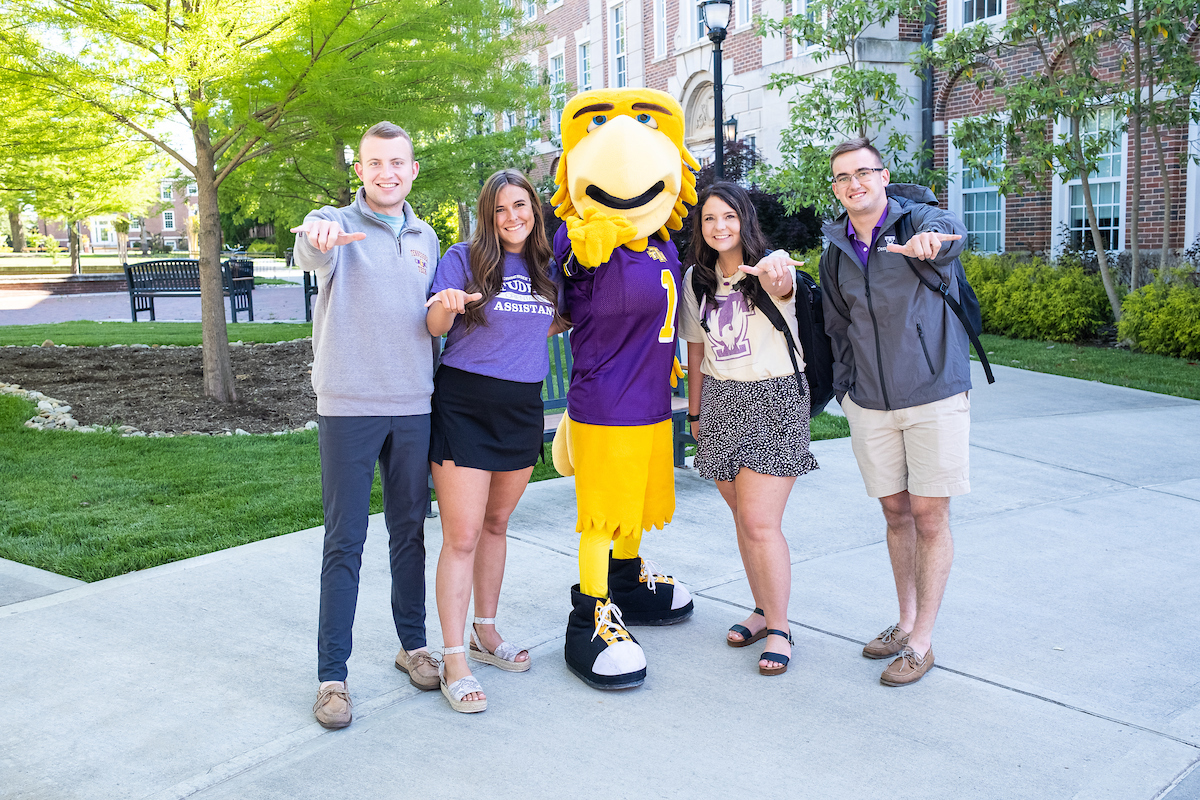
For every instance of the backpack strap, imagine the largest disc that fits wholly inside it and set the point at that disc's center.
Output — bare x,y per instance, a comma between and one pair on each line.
905,232
775,316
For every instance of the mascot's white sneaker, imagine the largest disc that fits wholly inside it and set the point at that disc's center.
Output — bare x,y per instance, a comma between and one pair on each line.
645,595
598,649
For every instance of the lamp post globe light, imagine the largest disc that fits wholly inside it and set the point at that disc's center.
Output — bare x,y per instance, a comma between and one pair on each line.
715,14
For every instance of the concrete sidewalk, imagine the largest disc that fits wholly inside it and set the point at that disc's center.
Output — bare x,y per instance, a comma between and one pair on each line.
1065,648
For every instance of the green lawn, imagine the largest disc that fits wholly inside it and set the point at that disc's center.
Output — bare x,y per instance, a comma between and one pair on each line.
1174,376
96,505
99,334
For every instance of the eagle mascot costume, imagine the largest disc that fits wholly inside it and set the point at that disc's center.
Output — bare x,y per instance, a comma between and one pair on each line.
623,180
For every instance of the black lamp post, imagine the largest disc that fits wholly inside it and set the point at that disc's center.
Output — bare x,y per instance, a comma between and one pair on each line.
715,14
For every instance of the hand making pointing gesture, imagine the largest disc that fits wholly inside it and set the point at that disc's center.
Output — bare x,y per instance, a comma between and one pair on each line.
774,271
454,300
923,245
326,234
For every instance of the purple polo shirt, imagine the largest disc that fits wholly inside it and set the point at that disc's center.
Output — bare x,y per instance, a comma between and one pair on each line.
863,249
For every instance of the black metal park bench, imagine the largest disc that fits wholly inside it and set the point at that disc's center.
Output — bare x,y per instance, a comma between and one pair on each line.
180,277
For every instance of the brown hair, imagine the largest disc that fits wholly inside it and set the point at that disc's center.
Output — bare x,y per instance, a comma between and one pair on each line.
754,244
386,130
487,254
861,143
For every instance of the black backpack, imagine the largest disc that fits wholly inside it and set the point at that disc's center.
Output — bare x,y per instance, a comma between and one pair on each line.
814,342
966,308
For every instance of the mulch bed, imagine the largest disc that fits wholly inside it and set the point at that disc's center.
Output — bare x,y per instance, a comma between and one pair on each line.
162,388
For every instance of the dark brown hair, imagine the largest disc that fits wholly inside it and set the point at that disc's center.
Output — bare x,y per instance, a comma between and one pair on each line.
861,143
704,258
487,254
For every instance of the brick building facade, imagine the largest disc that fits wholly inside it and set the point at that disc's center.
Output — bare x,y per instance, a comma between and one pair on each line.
167,218
661,44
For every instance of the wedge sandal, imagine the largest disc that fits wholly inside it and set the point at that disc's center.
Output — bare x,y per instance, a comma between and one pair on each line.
779,658
505,654
462,687
748,638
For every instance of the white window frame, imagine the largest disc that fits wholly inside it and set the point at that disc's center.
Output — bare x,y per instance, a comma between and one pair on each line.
957,204
506,22
1060,212
742,12
660,28
530,9
954,15
168,218
558,90
1191,216
553,4
801,7
618,42
103,231
193,190
508,120
135,224
585,70
166,191
697,21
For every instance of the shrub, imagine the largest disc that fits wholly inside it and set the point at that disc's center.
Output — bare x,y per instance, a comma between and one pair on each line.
1034,300
261,247
1164,319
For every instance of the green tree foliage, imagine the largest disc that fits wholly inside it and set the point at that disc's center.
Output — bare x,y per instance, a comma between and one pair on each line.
852,99
248,78
1045,126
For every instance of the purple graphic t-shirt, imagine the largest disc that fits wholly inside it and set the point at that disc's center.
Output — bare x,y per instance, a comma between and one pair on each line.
512,346
623,342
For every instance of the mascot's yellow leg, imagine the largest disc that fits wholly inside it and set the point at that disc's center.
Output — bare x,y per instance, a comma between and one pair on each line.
624,484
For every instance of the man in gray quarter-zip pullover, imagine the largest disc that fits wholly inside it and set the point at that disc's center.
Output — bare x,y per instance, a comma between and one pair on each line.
372,372
901,372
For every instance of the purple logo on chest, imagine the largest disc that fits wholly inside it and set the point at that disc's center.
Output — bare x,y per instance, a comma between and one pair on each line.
729,327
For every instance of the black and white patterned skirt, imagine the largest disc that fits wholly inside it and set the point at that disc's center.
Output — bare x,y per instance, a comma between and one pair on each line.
761,425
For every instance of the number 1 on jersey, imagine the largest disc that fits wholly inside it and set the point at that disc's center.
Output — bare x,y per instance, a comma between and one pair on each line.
667,332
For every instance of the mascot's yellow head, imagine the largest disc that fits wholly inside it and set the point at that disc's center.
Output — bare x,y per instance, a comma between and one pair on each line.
623,156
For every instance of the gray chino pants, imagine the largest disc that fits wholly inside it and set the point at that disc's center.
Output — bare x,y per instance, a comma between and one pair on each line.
350,448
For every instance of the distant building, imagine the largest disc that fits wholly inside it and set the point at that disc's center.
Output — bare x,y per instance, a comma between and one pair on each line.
167,218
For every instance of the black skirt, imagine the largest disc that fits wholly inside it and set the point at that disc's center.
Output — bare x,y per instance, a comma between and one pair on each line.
485,423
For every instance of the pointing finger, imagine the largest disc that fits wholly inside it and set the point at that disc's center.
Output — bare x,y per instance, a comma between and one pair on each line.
431,301
471,298
949,237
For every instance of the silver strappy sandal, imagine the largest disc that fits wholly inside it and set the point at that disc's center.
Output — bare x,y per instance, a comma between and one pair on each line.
505,655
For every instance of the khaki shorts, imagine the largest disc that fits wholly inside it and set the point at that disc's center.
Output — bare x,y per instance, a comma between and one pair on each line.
923,449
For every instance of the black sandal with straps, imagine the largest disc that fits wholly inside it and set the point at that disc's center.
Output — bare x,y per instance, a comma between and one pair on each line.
748,638
778,658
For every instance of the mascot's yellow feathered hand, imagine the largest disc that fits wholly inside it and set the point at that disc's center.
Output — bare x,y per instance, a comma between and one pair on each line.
621,177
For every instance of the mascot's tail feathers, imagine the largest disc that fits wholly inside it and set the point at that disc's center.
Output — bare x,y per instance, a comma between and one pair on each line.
561,449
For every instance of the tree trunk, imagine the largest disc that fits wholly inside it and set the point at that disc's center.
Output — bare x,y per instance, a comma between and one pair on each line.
1135,119
73,245
17,229
464,222
122,248
218,371
344,194
144,239
1110,288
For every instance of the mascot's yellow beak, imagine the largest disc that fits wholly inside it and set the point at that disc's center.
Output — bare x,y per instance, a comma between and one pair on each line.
627,168
623,155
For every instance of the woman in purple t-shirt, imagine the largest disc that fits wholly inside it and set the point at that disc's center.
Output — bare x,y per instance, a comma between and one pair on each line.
496,298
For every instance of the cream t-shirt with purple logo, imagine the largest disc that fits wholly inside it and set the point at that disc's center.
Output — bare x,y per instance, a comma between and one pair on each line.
741,343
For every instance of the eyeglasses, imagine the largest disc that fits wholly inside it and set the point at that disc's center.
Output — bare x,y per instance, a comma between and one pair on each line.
863,175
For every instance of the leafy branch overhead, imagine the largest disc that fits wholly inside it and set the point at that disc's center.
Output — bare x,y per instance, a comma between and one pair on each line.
846,96
253,79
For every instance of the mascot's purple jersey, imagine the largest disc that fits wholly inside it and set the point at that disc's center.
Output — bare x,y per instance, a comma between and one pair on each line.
622,312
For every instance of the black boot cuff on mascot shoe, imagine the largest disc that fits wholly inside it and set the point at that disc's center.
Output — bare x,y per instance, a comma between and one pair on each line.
645,596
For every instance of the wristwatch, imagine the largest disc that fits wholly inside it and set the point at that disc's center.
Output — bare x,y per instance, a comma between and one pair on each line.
693,417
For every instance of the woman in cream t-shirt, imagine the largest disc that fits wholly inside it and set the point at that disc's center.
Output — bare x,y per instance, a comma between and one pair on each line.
748,404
